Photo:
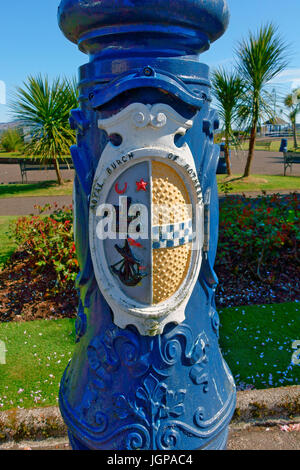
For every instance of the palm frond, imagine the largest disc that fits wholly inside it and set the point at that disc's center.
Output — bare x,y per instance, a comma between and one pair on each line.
262,56
228,89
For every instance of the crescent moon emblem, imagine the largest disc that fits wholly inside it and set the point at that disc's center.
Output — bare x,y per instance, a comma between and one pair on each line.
121,191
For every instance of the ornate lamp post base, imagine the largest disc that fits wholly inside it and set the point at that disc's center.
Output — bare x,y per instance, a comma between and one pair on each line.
147,372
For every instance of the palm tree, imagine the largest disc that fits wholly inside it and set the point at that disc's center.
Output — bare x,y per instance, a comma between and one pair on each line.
228,89
292,101
260,58
45,108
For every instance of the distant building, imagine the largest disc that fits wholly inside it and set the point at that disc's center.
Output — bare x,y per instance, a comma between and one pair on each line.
276,126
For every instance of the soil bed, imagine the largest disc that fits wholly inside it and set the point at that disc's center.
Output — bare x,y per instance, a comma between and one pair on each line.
236,290
26,295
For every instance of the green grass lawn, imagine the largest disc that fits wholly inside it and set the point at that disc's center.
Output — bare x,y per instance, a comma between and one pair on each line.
44,188
256,342
260,183
274,147
36,355
11,155
7,245
15,154
19,155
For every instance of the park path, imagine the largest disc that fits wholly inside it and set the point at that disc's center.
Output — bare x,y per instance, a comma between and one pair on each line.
12,174
264,163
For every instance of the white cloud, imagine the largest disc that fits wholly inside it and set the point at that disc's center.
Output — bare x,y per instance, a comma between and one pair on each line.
289,77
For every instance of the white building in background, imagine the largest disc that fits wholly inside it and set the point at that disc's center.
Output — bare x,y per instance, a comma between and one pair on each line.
277,126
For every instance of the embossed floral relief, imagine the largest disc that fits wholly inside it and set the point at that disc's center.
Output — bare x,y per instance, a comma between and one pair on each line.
152,402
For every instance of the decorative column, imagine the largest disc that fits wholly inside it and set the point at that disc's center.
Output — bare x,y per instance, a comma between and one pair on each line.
147,372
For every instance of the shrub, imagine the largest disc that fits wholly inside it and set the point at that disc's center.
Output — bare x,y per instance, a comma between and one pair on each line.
12,140
254,233
48,240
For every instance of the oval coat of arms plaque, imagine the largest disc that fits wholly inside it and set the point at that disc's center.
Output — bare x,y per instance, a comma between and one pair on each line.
146,218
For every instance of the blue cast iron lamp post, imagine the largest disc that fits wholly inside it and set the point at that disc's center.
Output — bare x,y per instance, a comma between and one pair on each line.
147,372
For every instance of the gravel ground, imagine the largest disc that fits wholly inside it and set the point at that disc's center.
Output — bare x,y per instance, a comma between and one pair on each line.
262,438
243,437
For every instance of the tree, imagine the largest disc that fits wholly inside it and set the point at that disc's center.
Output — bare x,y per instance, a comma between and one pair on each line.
260,58
45,108
292,101
228,88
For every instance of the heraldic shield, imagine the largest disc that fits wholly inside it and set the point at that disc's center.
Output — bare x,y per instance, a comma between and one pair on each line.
146,218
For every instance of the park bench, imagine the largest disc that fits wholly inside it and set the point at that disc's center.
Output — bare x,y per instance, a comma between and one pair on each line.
289,159
36,166
265,145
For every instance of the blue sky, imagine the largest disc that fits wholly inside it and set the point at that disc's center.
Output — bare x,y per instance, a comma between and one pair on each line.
31,41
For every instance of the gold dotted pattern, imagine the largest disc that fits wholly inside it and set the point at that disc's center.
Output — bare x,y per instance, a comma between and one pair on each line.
170,268
170,265
170,199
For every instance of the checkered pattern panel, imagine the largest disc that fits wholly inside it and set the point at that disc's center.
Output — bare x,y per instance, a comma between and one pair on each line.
172,235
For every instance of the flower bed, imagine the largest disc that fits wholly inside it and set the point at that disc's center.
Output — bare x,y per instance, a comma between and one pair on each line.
257,260
38,280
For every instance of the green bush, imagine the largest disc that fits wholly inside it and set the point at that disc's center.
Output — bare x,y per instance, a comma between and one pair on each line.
48,240
11,141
